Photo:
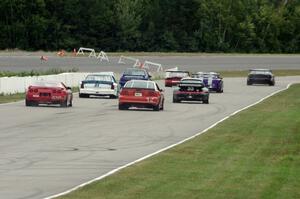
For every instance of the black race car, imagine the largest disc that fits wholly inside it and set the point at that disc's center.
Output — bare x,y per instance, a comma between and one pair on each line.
261,76
191,89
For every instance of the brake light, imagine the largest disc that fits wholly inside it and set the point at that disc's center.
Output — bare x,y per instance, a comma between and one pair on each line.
152,94
30,90
112,86
124,92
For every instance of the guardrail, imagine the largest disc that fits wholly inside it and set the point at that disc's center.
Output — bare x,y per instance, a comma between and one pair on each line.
10,85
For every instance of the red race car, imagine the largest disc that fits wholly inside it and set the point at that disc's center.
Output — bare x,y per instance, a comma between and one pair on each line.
141,94
48,93
173,77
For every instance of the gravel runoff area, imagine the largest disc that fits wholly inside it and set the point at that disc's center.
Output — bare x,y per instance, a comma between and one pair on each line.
205,62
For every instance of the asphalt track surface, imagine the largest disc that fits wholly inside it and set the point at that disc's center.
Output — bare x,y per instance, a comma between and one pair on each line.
191,63
48,150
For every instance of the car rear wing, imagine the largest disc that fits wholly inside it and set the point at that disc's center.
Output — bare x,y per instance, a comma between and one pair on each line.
191,84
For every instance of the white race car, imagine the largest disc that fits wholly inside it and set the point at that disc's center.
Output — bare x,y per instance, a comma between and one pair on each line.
99,84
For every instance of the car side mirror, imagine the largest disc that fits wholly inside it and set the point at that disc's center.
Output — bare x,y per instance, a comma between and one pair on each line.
69,88
161,90
149,76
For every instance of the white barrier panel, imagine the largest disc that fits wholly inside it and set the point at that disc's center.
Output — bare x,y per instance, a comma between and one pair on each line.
137,62
148,65
10,85
102,56
82,49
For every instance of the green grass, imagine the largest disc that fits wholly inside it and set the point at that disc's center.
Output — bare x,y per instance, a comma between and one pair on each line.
254,154
11,98
21,96
53,71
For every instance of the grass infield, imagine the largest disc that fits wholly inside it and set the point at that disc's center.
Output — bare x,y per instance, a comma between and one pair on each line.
254,154
21,96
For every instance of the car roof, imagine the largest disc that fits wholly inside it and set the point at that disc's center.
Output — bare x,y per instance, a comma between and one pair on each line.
148,82
140,80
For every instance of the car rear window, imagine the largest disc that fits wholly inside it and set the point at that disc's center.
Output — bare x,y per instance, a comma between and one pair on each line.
190,88
176,74
135,72
99,78
140,84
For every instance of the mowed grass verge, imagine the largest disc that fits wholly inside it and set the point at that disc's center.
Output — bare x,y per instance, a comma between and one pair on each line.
254,154
11,97
21,96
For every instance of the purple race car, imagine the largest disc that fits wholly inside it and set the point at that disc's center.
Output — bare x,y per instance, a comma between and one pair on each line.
211,80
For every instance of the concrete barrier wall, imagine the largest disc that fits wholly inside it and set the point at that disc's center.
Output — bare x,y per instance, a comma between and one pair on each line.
10,85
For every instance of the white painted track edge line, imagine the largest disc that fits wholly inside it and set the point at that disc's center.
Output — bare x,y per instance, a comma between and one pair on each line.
166,148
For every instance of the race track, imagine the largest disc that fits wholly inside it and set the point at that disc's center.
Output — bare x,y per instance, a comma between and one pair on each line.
191,63
47,150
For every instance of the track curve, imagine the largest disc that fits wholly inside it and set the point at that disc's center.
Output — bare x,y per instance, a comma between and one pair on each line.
47,150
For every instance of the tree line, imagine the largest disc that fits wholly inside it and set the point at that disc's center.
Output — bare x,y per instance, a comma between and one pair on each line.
257,26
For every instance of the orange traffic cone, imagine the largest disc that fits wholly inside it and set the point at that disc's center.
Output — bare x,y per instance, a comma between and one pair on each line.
74,52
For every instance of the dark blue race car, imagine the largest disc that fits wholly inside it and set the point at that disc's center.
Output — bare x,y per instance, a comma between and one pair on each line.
211,80
134,73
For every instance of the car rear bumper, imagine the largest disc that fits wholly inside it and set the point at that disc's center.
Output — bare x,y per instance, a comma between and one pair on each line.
102,92
148,101
187,97
260,81
46,100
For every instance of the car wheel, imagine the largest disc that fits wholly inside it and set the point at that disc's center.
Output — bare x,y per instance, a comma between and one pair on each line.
205,101
176,100
113,97
122,107
162,105
84,95
156,108
28,103
272,83
249,83
64,103
71,103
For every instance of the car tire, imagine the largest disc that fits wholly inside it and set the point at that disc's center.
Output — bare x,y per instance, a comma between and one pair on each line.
71,103
205,101
84,95
64,103
162,105
220,90
122,107
156,108
113,97
249,83
176,101
28,103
